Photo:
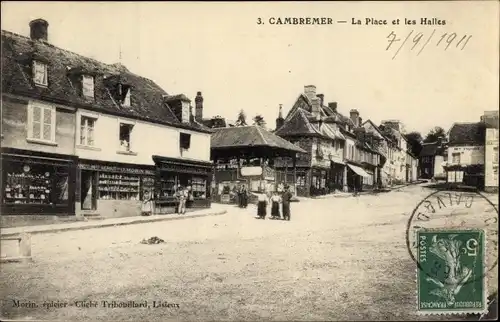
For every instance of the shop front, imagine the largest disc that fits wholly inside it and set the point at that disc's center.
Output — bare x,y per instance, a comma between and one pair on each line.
355,177
37,183
336,176
172,173
111,189
319,180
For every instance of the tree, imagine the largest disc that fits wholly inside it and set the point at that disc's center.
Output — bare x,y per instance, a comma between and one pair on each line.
242,119
415,142
434,134
259,120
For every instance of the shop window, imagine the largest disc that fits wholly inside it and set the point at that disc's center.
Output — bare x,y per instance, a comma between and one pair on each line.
199,188
184,141
455,176
114,186
35,184
455,158
40,73
41,122
125,135
168,185
88,86
87,125
301,180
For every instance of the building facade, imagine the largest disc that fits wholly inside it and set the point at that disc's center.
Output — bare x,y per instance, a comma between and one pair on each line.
432,160
333,162
490,118
83,137
466,157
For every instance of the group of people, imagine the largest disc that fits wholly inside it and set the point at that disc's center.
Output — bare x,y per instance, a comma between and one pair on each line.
276,199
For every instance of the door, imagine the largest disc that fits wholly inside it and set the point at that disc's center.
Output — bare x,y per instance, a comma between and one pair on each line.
88,190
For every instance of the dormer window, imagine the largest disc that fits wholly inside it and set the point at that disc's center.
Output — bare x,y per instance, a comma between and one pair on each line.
124,94
88,86
40,72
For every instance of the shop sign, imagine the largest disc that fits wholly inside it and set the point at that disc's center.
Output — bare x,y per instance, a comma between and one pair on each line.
251,171
108,168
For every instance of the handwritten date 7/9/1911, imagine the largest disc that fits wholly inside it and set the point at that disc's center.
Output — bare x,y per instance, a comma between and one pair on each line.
419,41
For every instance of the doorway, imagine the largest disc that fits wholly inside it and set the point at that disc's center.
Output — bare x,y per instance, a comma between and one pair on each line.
88,190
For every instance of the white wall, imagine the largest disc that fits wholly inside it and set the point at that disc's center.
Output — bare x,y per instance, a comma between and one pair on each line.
147,139
438,166
468,154
490,163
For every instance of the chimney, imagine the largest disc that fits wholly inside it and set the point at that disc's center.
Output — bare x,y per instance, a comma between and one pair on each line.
280,120
310,91
198,107
355,117
39,29
315,110
321,99
333,106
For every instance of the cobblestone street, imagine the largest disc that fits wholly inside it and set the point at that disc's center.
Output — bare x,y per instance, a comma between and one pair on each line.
342,262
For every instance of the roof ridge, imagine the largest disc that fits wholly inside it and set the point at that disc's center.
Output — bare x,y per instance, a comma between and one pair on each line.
48,44
260,133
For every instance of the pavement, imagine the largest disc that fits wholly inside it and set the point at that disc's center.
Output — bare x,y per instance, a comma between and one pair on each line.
216,209
336,260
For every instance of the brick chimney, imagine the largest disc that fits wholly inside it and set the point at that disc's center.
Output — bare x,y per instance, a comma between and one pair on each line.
280,120
321,99
198,107
315,110
39,30
355,117
333,106
310,91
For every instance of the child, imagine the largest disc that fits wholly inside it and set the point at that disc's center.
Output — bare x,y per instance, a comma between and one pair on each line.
147,204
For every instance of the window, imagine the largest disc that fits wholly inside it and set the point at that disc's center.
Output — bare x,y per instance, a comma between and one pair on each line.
40,73
184,141
455,176
87,131
199,188
88,86
455,158
125,95
495,155
495,175
301,180
125,133
41,122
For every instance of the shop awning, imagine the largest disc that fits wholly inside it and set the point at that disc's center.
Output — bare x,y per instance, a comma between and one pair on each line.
359,171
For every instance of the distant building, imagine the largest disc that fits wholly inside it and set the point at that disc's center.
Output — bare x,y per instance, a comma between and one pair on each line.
490,119
432,159
465,166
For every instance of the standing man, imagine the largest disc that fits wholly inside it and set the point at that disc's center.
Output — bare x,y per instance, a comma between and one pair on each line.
287,197
183,193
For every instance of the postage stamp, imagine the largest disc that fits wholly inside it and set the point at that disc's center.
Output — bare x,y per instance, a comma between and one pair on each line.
451,271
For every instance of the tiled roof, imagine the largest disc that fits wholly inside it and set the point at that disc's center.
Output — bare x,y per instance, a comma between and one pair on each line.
429,149
467,133
301,122
147,98
245,136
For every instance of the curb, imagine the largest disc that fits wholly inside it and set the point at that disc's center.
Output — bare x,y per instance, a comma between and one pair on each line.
106,225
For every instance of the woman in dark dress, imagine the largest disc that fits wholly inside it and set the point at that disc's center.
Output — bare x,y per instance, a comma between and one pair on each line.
244,197
275,206
261,206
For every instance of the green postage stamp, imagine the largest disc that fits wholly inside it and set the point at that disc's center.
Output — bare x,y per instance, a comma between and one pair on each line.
451,274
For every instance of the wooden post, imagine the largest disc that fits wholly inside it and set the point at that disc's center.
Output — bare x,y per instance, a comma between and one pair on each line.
286,169
294,160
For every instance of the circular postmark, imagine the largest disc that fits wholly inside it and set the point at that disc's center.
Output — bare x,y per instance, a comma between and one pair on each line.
454,212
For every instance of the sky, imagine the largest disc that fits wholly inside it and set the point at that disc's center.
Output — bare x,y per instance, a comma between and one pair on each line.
219,48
